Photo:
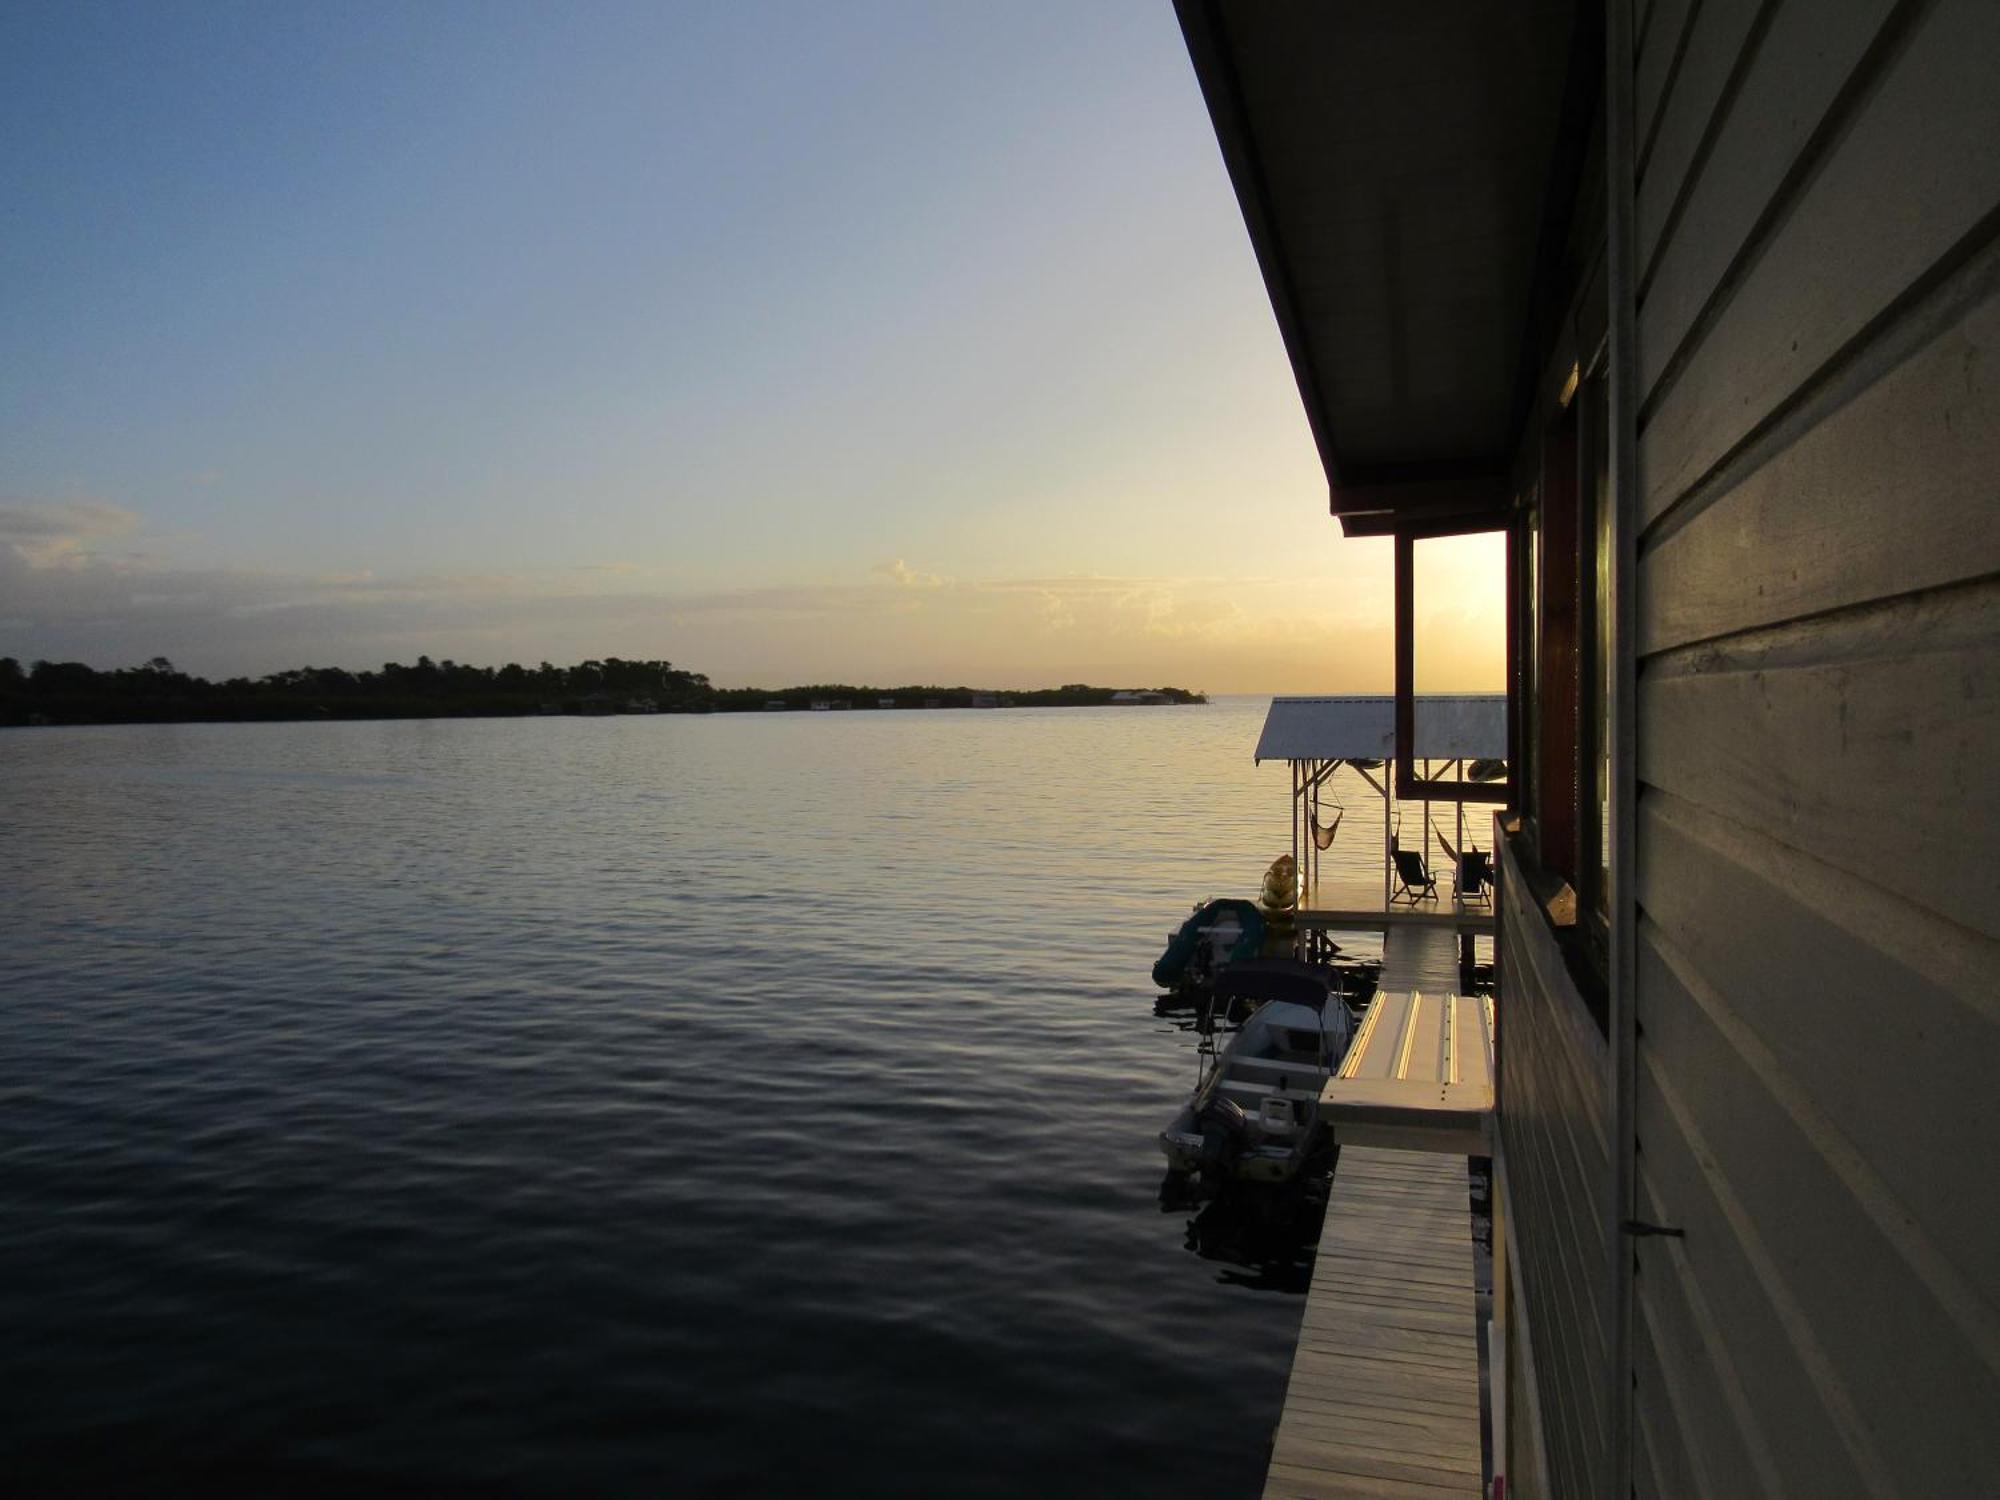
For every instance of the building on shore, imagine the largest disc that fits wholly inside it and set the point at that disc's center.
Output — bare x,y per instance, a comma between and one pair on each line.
1695,304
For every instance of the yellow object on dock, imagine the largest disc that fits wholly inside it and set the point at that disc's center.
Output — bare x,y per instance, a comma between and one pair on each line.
1384,1393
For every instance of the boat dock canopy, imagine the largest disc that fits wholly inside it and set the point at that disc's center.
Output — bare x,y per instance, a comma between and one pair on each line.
1450,726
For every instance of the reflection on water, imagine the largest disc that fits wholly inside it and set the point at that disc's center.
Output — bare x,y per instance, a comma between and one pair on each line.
738,1104
1261,1234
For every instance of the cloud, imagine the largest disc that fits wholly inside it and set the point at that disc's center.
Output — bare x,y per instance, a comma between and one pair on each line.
67,598
903,576
46,536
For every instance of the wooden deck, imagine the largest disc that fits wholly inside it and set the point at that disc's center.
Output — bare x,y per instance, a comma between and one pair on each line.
1420,958
1340,903
1384,1394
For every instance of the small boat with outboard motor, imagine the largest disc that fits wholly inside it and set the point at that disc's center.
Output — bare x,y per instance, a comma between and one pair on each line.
1255,1110
1218,934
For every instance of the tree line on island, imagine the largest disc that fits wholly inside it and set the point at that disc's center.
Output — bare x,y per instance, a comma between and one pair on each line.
157,693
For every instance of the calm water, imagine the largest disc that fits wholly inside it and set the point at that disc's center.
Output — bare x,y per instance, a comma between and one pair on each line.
742,1103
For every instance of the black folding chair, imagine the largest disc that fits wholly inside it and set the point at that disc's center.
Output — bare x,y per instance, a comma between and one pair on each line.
1414,883
1475,876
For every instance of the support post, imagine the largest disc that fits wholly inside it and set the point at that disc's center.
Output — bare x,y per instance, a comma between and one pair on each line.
1621,576
1387,836
1458,862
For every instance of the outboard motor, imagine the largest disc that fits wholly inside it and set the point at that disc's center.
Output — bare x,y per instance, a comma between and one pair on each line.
1222,1128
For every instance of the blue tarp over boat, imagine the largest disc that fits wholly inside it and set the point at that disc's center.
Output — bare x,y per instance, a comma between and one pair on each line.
1184,946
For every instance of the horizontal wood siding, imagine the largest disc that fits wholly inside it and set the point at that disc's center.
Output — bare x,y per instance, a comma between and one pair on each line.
1555,1130
1818,612
1856,739
1658,61
1795,533
1712,63
1884,198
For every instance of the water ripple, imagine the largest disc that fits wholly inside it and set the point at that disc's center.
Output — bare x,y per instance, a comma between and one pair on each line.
730,1104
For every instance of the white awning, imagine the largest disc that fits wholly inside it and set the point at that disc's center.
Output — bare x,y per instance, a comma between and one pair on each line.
1450,726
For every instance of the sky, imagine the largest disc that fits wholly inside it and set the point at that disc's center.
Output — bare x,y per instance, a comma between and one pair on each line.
874,343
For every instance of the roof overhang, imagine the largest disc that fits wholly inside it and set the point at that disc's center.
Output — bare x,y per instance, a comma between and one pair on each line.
1406,176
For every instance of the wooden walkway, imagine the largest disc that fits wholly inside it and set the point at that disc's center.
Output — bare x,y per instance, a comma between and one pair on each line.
1384,1394
1420,958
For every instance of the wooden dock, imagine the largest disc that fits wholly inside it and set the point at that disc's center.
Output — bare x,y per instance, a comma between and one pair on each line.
1384,1393
1420,958
1348,904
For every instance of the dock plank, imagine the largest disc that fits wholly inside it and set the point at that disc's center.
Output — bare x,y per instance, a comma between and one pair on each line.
1383,1401
1420,958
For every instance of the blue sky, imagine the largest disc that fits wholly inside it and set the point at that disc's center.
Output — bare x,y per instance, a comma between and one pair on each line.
873,341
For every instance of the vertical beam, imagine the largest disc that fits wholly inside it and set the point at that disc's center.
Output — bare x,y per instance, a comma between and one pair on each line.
1297,771
1298,883
1457,867
1427,820
1622,577
1312,844
1406,666
1517,665
1388,783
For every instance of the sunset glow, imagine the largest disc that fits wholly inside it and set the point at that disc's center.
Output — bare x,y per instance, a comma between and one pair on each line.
337,341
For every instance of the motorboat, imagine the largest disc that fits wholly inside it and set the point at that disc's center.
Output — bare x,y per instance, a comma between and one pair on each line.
1218,934
1254,1114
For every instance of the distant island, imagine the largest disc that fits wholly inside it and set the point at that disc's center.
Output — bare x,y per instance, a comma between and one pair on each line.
69,692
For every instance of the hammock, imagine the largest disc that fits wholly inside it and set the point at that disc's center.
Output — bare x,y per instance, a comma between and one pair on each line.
1323,837
1452,853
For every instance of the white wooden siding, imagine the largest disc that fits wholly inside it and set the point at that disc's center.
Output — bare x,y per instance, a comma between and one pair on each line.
1818,606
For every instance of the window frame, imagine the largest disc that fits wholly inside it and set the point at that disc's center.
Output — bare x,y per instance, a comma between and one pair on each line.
1410,787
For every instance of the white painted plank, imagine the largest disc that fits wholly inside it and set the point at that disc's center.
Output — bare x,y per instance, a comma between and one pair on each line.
1669,20
1787,88
1896,490
1714,47
1905,1361
1888,1014
1869,742
1898,190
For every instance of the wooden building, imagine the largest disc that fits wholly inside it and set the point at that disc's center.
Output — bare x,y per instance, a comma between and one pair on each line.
1697,302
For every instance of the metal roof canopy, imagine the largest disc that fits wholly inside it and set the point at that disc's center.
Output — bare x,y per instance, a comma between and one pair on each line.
1450,726
1394,165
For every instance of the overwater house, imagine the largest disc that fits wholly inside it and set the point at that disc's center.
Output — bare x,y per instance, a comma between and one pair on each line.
1695,303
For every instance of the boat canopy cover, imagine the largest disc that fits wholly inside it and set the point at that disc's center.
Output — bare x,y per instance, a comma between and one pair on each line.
1450,726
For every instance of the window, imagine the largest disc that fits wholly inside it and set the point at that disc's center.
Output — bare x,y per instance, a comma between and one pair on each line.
1569,729
1594,684
1464,583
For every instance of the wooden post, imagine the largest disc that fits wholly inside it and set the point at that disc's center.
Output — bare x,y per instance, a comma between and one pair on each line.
1387,783
1458,865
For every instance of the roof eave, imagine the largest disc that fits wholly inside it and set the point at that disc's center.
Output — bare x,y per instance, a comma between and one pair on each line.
1202,26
